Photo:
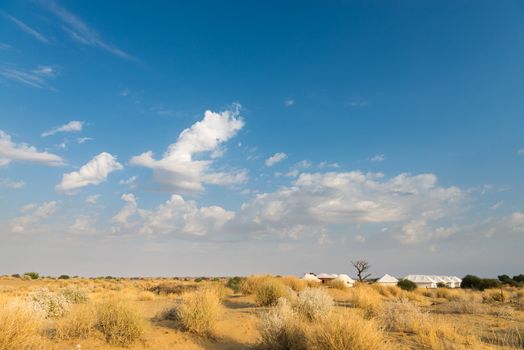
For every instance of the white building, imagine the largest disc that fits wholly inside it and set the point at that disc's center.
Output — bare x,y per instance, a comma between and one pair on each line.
310,277
422,281
346,279
387,280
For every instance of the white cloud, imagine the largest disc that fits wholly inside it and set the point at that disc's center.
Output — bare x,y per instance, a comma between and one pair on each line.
35,78
81,32
92,173
37,214
11,184
275,158
323,165
497,205
10,151
82,223
289,102
175,216
378,158
179,171
72,126
24,27
131,182
93,199
82,140
319,200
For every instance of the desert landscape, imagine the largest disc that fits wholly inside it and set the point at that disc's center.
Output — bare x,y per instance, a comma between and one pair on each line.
256,312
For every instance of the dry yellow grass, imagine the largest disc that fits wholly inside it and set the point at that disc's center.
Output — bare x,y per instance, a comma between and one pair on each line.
79,323
294,283
20,327
119,322
200,310
270,291
366,298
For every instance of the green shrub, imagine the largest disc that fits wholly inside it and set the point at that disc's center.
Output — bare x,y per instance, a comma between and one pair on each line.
519,278
63,277
407,285
15,275
441,285
235,283
269,292
32,275
474,282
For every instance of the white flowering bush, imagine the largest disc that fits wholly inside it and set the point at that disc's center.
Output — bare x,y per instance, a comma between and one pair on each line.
52,304
313,303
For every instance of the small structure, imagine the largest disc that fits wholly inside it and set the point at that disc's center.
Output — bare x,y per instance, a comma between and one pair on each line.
346,279
387,280
422,281
457,281
326,277
311,277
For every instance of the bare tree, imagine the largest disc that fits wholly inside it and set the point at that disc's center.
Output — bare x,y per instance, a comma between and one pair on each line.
362,266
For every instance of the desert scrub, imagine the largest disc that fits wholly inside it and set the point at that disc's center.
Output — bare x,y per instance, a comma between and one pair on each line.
347,333
281,328
119,322
199,311
367,299
270,291
145,295
52,304
74,295
294,283
401,316
235,283
314,304
251,284
337,284
20,327
466,307
79,323
407,285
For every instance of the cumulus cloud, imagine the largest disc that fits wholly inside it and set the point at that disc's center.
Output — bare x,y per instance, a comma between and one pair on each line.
72,126
322,199
94,172
22,152
275,158
11,183
179,171
34,216
175,216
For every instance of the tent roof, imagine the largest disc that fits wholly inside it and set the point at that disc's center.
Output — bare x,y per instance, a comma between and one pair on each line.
387,279
420,278
345,278
310,277
455,279
327,275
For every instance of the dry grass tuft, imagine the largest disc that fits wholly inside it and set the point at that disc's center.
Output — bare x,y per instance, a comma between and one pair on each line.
119,322
466,307
367,299
78,324
282,329
338,284
294,283
270,291
146,295
314,304
347,333
401,316
199,311
20,327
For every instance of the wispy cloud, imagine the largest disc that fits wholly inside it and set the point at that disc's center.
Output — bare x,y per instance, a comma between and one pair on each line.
79,31
24,27
72,126
289,102
37,77
11,151
275,158
11,184
378,158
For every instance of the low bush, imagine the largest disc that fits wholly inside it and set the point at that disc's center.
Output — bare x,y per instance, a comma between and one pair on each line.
32,275
119,322
314,304
282,329
270,291
15,275
173,288
52,304
407,285
199,311
465,307
63,277
337,284
74,295
474,282
235,283
401,316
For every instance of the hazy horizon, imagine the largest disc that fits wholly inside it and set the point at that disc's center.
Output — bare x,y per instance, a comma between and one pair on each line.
235,138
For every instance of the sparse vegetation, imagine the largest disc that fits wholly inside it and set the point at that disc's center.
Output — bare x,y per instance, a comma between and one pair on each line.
32,275
407,285
199,311
270,291
119,322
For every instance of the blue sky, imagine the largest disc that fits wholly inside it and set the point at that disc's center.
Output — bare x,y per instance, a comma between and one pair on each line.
209,138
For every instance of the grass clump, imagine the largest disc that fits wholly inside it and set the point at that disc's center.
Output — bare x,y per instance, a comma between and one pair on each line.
119,322
367,299
199,311
74,295
19,327
314,304
270,291
282,329
53,305
79,323
294,283
337,284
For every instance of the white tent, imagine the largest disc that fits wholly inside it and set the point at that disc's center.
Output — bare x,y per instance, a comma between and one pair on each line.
311,277
346,279
457,281
422,281
387,280
327,276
